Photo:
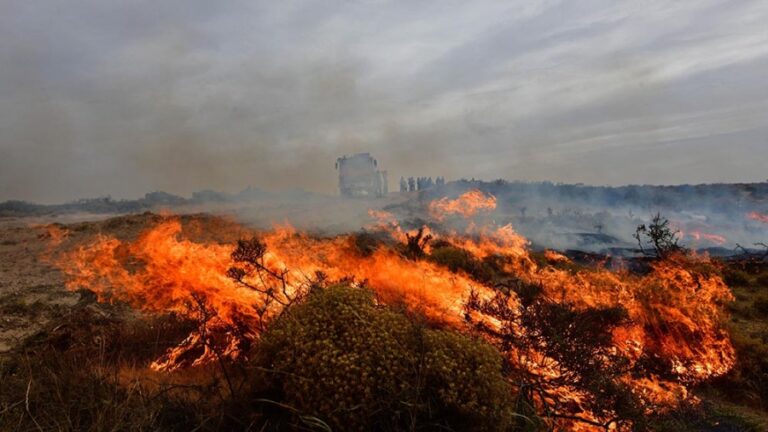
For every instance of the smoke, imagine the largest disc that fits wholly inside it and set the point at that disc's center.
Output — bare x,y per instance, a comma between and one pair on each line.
121,99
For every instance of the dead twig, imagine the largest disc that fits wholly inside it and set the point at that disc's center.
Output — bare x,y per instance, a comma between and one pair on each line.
26,406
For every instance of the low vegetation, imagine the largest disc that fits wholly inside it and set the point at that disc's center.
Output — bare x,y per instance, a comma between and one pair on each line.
747,383
357,365
337,359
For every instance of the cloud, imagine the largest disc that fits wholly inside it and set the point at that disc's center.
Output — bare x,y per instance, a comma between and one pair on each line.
123,98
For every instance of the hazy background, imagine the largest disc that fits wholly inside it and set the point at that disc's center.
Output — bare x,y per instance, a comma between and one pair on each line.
106,97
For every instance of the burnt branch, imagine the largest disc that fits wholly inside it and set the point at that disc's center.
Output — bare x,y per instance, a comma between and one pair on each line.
538,334
763,255
416,244
278,292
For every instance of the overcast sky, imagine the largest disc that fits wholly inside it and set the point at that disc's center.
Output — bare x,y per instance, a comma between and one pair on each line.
126,97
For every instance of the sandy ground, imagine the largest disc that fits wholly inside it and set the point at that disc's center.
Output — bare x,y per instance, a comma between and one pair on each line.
30,286
32,289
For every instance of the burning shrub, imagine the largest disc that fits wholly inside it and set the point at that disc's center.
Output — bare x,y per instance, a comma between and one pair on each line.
366,243
359,366
416,243
489,270
466,205
581,344
574,347
457,259
674,340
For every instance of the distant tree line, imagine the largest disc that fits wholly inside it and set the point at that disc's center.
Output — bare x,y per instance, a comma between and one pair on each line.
718,197
150,200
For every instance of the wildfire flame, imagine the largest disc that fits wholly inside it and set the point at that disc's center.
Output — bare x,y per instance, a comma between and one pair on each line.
760,217
466,205
56,234
675,312
712,238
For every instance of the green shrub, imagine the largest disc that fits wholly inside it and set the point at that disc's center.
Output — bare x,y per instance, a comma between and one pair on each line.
357,366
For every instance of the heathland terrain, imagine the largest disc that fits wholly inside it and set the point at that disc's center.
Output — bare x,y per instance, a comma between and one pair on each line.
432,311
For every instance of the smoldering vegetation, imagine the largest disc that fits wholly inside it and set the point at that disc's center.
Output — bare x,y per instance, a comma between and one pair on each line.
255,207
721,219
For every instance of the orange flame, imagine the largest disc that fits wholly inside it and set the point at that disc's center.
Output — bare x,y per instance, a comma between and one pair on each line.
676,312
712,238
56,234
760,217
466,205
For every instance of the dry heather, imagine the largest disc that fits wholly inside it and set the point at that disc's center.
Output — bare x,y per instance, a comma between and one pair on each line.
338,360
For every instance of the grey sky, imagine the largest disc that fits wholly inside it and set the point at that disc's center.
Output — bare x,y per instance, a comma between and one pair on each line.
105,97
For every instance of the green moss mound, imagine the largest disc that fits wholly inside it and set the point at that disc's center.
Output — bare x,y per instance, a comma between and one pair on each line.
355,365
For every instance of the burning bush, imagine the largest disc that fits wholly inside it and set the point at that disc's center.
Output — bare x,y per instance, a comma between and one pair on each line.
587,345
360,366
457,259
568,349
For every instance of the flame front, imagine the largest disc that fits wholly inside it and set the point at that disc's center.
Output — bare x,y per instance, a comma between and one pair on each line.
712,238
675,312
466,205
757,216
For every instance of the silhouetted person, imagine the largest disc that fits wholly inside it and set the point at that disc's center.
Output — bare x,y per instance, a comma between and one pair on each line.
403,185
